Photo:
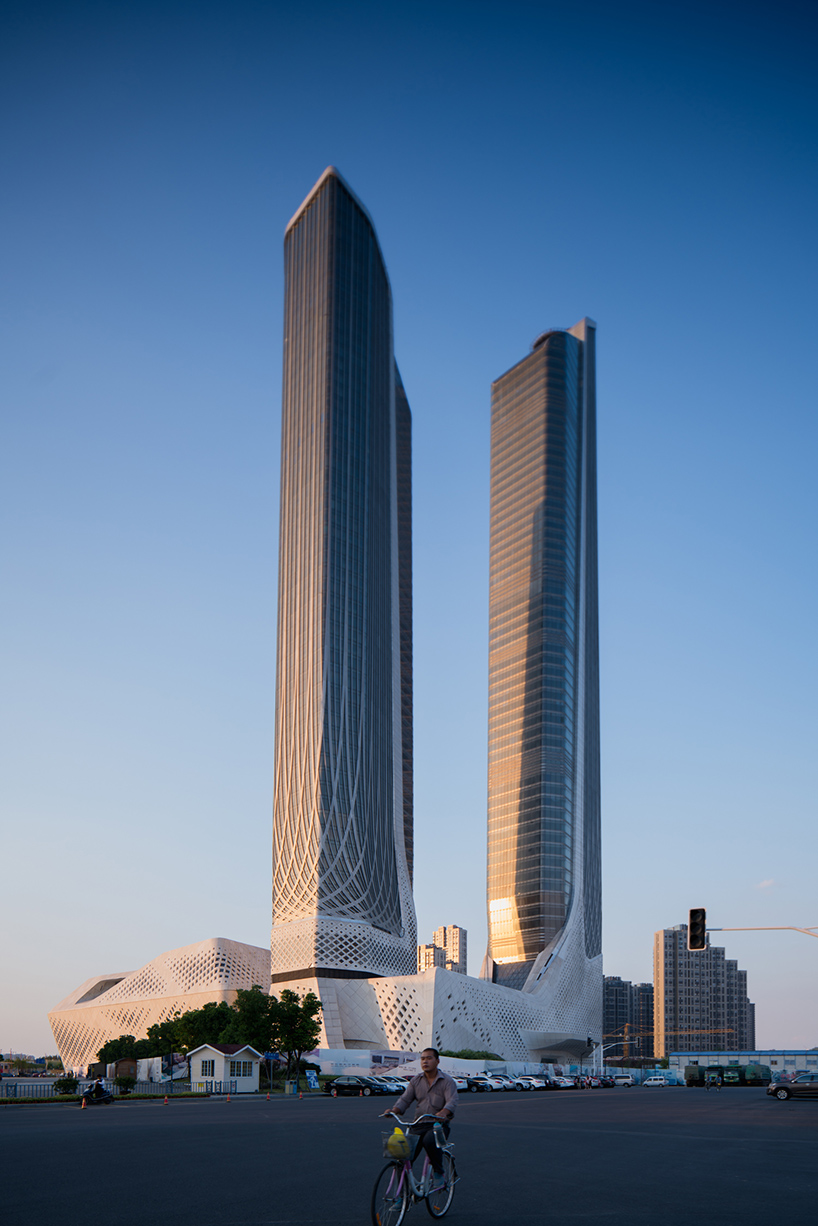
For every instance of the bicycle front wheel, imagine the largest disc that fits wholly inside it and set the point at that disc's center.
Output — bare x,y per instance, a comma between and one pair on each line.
390,1196
440,1201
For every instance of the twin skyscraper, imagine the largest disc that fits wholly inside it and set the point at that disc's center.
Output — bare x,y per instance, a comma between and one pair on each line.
343,914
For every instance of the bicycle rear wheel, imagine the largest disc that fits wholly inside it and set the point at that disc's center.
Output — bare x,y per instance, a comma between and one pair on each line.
390,1196
439,1202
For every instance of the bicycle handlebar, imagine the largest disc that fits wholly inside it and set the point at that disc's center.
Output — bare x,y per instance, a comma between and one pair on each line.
410,1123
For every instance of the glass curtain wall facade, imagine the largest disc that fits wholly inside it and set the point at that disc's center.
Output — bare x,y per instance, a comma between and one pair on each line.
544,787
342,821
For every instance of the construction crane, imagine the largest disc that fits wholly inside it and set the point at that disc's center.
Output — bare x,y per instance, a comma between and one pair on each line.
640,1034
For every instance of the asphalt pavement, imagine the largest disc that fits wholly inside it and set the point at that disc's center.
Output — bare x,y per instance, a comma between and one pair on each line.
669,1156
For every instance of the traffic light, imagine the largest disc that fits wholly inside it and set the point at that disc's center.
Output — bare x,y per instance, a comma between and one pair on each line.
697,928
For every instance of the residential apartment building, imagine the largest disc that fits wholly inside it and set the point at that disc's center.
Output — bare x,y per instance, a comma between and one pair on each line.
447,948
700,997
429,956
627,1016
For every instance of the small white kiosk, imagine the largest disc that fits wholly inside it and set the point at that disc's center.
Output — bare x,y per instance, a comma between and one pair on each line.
213,1066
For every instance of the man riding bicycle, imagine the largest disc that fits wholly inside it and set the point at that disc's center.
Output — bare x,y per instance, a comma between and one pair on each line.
435,1094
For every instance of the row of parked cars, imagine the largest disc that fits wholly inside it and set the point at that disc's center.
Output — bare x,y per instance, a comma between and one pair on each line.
480,1083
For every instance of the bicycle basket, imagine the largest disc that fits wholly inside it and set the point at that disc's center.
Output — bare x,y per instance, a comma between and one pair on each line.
397,1145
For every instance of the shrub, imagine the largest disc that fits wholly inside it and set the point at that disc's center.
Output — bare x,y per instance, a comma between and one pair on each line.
66,1085
468,1054
126,1084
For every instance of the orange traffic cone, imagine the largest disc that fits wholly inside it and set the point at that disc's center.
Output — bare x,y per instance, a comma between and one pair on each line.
268,1096
360,1093
84,1105
300,1095
166,1100
228,1098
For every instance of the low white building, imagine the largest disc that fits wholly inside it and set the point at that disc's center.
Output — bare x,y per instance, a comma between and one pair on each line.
224,1062
129,1002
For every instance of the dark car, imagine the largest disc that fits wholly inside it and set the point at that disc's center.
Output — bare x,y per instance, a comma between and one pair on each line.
805,1085
353,1085
477,1085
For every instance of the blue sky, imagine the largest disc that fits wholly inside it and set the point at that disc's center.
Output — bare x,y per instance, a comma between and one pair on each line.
526,164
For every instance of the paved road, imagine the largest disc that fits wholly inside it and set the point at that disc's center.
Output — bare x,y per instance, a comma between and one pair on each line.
674,1157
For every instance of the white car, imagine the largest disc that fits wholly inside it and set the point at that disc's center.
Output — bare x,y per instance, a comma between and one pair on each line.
530,1083
623,1079
459,1081
655,1081
565,1083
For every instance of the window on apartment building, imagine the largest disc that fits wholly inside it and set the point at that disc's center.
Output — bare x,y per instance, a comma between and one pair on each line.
208,1068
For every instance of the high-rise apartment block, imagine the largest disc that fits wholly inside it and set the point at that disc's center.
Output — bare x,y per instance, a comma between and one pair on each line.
627,1017
452,940
700,998
447,949
430,956
342,822
544,880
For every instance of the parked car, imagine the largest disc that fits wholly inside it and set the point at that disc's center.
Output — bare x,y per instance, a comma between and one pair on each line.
389,1085
461,1082
477,1085
623,1079
655,1081
490,1081
353,1086
566,1083
805,1085
530,1082
607,1083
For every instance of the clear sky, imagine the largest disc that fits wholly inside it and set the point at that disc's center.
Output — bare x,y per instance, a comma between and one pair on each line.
652,166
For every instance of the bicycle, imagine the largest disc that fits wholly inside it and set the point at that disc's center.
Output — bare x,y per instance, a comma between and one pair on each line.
396,1188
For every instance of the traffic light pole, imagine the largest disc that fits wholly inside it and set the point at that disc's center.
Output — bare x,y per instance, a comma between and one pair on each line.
810,932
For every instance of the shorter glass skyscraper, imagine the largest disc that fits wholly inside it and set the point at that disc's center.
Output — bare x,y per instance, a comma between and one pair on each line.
544,889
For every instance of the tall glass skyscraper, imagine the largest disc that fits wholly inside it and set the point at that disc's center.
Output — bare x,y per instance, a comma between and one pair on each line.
544,884
342,821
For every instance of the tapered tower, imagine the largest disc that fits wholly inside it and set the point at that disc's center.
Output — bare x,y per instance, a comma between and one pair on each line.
544,891
342,821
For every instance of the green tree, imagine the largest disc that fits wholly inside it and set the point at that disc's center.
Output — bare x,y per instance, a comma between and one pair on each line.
205,1025
253,1012
164,1036
296,1026
117,1049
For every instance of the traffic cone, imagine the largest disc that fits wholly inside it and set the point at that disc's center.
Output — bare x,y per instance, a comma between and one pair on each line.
228,1098
84,1104
360,1093
300,1095
166,1101
268,1096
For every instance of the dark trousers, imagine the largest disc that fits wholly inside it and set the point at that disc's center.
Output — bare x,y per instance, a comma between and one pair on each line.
426,1140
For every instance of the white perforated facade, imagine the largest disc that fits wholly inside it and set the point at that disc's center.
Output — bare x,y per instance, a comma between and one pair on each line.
444,1009
107,1006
